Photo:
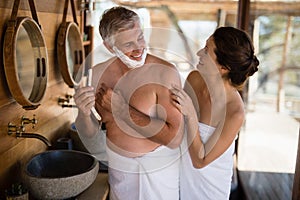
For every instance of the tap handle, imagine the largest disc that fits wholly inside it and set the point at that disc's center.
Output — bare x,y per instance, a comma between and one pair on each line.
34,120
62,100
11,128
68,96
26,120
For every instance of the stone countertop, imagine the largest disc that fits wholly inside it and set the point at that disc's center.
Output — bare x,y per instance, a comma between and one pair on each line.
98,190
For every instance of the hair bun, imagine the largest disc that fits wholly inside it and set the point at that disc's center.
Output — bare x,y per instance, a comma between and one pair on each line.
253,66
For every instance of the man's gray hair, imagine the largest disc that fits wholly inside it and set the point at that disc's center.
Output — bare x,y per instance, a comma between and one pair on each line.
115,20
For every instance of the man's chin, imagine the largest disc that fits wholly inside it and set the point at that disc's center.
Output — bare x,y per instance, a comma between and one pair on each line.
137,59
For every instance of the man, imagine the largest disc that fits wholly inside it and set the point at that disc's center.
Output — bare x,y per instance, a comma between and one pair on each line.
144,130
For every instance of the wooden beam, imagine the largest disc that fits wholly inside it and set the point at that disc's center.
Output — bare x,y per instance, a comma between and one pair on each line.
271,7
192,8
296,184
243,15
221,17
243,23
286,47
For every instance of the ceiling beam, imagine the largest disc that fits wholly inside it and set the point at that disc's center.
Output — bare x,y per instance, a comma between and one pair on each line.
193,10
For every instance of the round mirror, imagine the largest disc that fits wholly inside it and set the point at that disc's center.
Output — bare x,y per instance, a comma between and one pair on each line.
25,61
70,53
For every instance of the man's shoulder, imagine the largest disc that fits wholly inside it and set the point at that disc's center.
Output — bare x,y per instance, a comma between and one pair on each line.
157,60
194,76
194,79
106,62
103,65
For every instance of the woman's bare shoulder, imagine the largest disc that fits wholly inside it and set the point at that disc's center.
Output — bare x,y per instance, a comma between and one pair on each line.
235,108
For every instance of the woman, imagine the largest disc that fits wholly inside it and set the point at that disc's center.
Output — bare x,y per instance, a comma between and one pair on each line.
214,113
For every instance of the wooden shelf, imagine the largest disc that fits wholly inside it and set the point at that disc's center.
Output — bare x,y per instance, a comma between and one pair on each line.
86,43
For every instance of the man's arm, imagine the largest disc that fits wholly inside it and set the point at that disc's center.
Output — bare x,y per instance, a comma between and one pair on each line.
165,126
86,124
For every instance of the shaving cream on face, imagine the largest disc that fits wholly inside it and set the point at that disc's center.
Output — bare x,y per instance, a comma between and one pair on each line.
129,62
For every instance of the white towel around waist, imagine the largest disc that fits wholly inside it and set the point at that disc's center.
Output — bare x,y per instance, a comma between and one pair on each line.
155,160
153,176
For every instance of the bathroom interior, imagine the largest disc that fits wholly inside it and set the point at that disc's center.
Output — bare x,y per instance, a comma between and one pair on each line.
37,109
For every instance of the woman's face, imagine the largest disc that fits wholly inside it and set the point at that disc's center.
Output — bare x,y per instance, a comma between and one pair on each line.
207,58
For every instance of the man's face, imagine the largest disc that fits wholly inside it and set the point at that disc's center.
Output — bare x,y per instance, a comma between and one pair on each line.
131,42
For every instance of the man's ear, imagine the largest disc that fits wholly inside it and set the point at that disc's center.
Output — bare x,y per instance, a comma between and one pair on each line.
108,46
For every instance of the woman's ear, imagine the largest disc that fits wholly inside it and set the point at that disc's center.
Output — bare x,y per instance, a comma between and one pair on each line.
109,47
224,70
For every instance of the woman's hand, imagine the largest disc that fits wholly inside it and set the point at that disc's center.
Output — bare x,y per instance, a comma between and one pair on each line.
182,101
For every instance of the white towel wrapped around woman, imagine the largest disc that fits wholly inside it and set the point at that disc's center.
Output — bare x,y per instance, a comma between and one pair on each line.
212,182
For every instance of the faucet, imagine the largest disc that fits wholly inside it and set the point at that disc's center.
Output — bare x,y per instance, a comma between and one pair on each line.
62,100
68,106
20,130
34,135
25,120
65,102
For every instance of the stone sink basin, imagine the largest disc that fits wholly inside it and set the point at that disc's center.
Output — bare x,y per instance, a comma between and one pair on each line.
60,174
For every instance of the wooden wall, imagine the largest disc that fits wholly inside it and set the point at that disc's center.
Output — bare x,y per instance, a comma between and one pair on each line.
53,120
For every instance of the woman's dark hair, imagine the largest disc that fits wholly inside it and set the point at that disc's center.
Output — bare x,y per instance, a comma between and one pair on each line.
235,51
116,19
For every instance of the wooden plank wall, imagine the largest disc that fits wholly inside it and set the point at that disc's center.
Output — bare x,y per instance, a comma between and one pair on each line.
53,120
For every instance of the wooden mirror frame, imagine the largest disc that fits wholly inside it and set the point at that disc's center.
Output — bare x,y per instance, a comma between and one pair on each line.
69,36
69,33
40,59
